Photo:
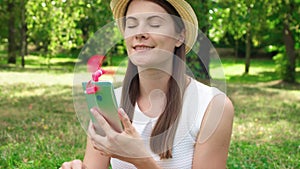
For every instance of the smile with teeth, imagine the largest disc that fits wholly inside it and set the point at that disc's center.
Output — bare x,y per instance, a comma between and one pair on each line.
142,48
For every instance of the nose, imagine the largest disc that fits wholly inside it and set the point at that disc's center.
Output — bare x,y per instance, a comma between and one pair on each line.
138,32
142,32
142,36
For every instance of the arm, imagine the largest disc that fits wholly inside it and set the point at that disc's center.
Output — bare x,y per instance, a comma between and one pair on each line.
211,148
93,159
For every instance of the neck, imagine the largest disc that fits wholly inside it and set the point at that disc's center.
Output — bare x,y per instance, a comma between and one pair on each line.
153,90
153,79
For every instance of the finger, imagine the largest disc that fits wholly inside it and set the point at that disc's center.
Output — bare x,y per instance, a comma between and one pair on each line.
124,118
89,128
84,166
97,145
66,165
103,144
76,164
102,122
94,136
101,149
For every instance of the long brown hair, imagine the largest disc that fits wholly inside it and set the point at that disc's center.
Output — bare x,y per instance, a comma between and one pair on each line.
163,134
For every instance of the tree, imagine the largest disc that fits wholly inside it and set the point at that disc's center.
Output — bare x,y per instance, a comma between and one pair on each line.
284,18
93,14
291,23
52,26
241,19
62,25
200,60
23,32
9,31
11,22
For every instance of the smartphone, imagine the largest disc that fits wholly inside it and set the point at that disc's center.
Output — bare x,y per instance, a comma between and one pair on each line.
104,99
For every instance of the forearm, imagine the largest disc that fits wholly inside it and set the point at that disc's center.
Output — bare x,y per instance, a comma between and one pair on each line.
146,163
93,159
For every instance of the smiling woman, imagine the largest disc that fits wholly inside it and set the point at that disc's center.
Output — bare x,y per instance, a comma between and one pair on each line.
146,33
169,119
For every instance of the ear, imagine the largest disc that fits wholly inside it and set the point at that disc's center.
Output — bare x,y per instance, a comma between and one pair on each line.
180,39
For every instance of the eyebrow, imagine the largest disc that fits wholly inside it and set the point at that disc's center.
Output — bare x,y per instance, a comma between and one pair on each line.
149,18
155,16
130,17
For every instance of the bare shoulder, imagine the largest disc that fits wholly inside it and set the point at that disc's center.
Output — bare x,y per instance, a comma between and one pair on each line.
212,146
218,116
224,127
227,117
222,106
228,109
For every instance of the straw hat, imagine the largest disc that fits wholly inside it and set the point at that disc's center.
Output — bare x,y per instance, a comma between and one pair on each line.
183,8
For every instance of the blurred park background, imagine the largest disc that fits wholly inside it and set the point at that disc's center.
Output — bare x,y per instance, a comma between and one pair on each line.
258,42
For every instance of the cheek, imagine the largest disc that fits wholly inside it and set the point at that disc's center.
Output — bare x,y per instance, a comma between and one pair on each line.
128,43
168,43
128,33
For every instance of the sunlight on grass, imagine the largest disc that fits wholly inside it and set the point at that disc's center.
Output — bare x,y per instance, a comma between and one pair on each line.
261,70
236,69
39,127
261,132
36,78
266,128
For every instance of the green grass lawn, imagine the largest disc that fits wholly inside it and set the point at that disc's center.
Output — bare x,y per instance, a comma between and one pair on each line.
39,128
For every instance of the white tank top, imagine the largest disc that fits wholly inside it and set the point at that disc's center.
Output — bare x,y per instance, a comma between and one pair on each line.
195,102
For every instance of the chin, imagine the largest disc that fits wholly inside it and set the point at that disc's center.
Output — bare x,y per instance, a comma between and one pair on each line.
141,58
151,58
141,62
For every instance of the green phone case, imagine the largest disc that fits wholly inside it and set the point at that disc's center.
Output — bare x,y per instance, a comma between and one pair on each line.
105,100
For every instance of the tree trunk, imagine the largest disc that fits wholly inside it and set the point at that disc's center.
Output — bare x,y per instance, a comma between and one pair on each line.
204,56
23,33
11,34
204,49
236,51
248,51
290,69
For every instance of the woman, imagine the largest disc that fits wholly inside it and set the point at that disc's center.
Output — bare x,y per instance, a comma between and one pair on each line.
170,120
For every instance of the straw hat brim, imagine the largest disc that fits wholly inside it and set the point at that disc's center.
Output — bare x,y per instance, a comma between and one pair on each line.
184,9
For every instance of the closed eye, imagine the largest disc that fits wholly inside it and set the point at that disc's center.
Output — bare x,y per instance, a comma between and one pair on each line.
131,22
155,21
154,26
131,26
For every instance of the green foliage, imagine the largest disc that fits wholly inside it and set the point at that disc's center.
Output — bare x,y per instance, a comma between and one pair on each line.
193,63
51,24
282,66
57,26
201,8
280,60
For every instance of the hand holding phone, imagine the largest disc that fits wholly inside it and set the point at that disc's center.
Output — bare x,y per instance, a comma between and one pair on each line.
101,96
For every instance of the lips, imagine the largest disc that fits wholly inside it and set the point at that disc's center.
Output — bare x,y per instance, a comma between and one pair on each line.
142,48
